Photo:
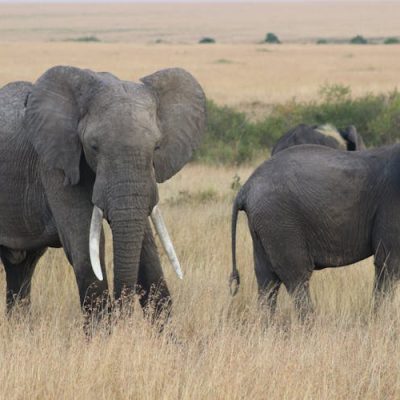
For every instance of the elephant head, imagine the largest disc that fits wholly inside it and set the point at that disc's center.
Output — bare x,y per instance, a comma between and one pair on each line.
324,135
131,135
353,139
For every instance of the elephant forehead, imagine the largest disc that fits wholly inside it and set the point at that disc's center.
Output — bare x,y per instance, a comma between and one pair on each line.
123,121
140,94
130,99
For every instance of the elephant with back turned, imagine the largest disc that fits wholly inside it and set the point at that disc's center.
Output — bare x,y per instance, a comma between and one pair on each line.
79,145
311,207
325,135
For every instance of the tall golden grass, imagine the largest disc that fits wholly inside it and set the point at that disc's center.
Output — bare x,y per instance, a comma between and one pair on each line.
222,347
250,77
215,346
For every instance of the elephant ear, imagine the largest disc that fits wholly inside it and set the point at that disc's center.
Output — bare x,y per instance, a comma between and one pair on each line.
181,116
53,110
353,138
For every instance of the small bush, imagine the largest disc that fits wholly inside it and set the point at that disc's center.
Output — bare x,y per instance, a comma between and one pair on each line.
232,138
86,39
271,38
391,40
358,40
322,41
206,40
386,125
223,61
200,197
236,184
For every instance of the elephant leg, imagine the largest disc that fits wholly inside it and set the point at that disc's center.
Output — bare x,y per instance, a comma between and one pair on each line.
300,292
93,294
386,274
155,298
268,282
382,284
72,209
294,267
19,267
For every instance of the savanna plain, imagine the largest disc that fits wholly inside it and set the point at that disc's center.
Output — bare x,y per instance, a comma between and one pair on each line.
215,346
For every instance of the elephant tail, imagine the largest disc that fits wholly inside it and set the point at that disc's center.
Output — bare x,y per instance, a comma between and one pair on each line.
234,280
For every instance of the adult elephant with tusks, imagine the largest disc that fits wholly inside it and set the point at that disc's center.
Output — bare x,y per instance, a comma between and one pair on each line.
325,135
79,146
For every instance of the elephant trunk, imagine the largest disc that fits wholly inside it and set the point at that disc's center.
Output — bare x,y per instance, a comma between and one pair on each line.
161,229
128,211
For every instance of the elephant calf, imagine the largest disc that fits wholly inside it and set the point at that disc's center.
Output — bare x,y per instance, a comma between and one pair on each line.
325,135
312,207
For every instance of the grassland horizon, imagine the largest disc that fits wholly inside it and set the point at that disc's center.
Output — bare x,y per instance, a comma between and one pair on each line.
175,23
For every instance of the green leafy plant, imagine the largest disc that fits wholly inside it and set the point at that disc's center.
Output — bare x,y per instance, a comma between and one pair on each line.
391,40
235,184
206,40
85,39
271,38
358,40
232,138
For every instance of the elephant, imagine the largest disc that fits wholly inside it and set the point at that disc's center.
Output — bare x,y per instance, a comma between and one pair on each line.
325,135
78,146
312,207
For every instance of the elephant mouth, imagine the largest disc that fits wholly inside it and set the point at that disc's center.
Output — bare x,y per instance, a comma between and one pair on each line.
159,225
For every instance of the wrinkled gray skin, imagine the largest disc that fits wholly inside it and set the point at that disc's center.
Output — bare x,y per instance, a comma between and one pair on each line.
75,139
349,139
312,207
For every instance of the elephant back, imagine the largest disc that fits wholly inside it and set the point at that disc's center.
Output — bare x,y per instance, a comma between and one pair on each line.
12,105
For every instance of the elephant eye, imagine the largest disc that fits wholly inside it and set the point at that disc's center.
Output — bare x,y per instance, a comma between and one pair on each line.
94,147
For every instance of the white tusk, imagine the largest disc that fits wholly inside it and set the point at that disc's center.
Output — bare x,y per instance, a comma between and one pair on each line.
94,241
161,229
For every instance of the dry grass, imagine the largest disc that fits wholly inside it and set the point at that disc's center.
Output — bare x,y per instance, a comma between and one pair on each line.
249,76
235,71
225,349
187,23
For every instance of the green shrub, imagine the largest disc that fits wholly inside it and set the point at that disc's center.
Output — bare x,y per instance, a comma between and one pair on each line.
322,41
385,127
391,40
206,39
85,39
223,61
232,138
271,38
200,197
358,40
235,184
